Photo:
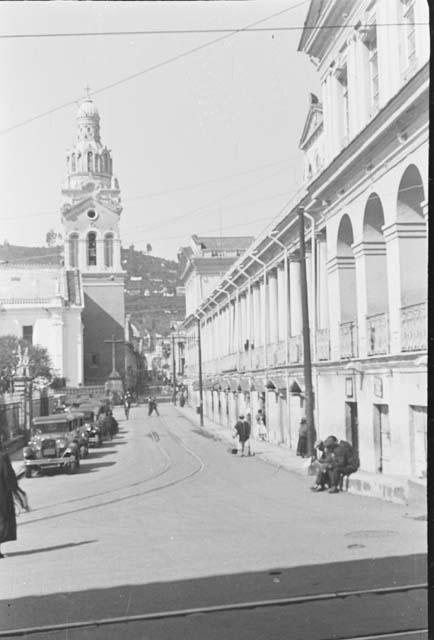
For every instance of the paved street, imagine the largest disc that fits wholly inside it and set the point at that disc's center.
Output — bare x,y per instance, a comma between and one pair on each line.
163,518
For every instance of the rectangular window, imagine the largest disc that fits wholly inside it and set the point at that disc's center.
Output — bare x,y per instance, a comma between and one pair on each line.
28,333
94,360
408,15
342,77
369,37
373,75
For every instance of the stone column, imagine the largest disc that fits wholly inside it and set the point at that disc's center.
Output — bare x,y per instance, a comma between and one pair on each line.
82,254
56,340
272,303
256,315
322,288
100,263
295,300
334,307
282,300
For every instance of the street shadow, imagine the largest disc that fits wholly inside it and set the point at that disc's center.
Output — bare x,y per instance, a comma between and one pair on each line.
97,453
91,467
339,616
46,549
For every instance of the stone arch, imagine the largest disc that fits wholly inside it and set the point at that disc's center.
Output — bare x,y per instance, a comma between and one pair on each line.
410,196
411,235
373,252
347,285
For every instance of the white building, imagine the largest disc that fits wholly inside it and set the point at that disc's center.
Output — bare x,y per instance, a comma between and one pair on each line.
42,304
205,261
365,201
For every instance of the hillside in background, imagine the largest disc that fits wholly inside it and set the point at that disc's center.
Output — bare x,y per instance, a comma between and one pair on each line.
152,285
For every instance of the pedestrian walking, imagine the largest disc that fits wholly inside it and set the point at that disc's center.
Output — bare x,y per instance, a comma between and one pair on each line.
152,406
242,431
127,404
10,493
302,439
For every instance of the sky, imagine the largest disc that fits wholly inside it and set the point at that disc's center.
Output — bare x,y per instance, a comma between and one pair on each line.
205,144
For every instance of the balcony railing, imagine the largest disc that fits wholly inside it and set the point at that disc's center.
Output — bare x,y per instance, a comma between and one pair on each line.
276,353
414,327
295,349
229,362
257,357
323,344
348,337
377,334
244,361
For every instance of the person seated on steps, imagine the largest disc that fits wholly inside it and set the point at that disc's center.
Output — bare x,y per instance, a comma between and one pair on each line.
345,461
324,459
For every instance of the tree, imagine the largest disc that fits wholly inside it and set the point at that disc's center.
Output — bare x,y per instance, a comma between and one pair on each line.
53,238
39,359
149,248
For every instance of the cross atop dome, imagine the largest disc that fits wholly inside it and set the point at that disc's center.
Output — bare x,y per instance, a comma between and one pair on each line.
87,89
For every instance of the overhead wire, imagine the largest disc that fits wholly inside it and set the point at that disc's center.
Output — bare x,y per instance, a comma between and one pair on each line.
150,32
153,67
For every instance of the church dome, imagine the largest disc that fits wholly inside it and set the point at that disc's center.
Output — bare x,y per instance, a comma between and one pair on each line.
87,109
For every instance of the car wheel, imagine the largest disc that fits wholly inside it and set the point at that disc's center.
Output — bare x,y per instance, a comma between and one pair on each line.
28,472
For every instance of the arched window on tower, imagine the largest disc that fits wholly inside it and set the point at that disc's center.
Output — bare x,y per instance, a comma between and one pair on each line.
73,162
89,161
108,250
104,163
97,163
73,250
91,249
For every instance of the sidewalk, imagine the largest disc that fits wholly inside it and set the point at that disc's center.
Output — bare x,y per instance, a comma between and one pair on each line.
397,489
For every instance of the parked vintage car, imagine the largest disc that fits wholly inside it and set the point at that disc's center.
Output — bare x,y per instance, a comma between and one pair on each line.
90,413
56,442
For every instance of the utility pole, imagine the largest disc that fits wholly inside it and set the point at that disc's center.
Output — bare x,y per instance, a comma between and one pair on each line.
311,434
173,368
199,345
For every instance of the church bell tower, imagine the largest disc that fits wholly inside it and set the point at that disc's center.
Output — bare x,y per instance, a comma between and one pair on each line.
91,210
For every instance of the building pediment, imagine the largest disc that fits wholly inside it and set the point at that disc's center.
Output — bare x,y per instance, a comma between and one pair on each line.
313,122
101,205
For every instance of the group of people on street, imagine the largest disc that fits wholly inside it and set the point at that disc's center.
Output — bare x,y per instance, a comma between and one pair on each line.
243,431
335,460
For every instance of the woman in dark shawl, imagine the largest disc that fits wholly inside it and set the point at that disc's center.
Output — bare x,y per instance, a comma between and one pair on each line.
9,494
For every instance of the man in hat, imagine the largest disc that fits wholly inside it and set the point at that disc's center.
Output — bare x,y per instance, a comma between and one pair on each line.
243,429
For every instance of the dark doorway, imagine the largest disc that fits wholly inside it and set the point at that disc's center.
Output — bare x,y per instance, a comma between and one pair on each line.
382,437
352,425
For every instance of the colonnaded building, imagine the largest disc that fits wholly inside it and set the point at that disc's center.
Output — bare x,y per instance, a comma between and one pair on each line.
75,309
365,144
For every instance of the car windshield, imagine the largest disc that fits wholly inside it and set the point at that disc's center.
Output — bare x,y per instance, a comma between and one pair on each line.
51,427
